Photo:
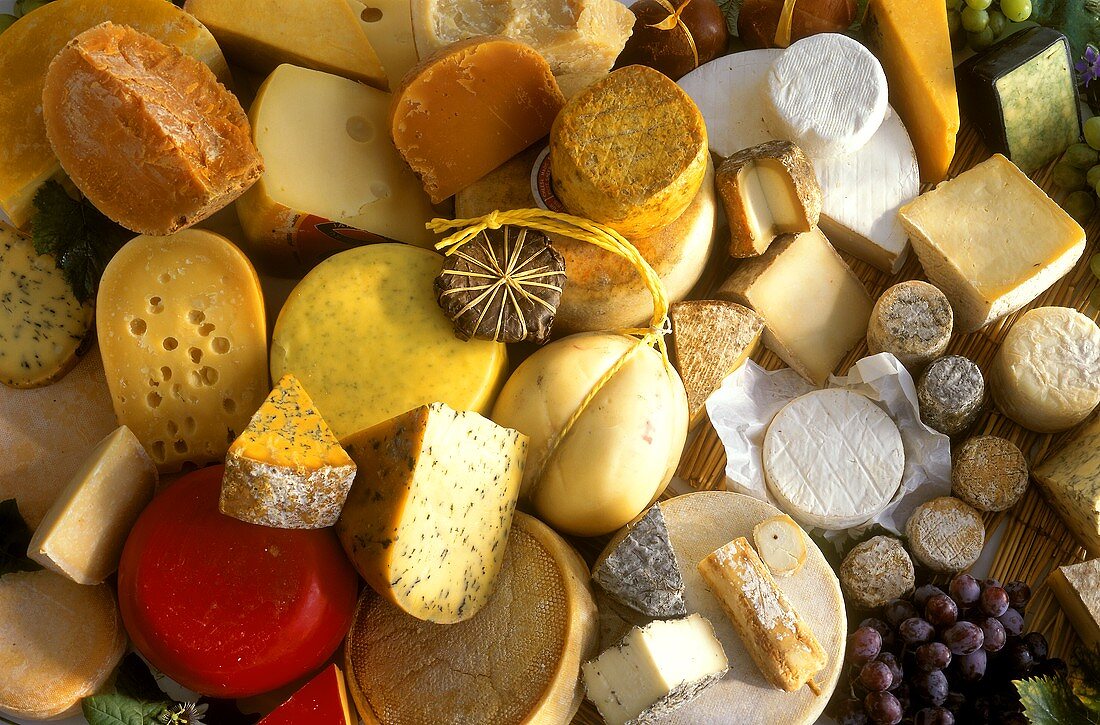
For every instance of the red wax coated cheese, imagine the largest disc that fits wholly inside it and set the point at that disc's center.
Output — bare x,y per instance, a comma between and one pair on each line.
228,608
321,701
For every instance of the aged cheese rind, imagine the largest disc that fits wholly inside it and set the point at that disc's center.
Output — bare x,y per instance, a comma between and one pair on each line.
655,670
913,321
82,535
26,159
370,314
321,701
428,515
951,394
812,483
150,157
989,473
813,329
1077,587
59,643
43,327
946,534
512,663
876,571
781,544
182,332
629,151
286,469
638,568
1046,374
1071,477
959,232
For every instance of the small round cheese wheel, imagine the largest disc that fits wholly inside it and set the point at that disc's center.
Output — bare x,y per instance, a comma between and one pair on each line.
622,450
989,473
876,571
1046,375
913,321
826,125
833,459
951,394
946,534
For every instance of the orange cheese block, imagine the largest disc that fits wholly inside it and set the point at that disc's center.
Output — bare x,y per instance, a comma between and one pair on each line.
321,701
470,107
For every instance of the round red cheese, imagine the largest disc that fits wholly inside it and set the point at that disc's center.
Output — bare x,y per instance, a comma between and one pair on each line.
228,608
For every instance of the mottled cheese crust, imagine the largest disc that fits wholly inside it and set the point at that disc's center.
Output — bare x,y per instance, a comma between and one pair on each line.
1071,478
427,518
43,328
287,470
946,534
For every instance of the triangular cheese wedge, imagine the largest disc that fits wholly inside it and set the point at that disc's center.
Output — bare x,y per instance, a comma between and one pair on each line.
321,701
638,569
287,470
325,35
710,339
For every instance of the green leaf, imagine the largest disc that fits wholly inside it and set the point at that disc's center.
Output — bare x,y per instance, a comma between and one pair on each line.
15,536
1079,20
1084,677
78,236
731,9
1050,701
122,710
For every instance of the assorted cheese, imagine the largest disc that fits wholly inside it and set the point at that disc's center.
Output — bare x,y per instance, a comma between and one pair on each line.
951,392
913,321
781,544
1077,587
1071,479
946,534
638,568
321,701
876,571
989,473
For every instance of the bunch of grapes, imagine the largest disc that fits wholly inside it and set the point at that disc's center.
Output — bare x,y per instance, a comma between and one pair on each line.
1078,172
979,23
941,657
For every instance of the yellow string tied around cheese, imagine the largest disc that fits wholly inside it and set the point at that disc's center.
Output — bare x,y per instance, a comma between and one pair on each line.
584,230
673,21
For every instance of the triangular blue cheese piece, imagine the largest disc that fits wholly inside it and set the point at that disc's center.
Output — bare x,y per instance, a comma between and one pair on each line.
638,569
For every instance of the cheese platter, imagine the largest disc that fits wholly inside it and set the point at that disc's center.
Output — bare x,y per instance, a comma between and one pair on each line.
614,362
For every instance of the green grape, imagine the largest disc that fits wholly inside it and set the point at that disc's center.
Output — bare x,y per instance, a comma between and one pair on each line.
1080,205
954,4
1094,265
1092,177
1068,177
959,39
979,4
1081,155
1016,10
22,7
974,20
954,21
982,40
1094,298
6,21
1092,132
997,22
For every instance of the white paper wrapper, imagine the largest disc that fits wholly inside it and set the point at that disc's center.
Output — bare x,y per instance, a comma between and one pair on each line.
744,406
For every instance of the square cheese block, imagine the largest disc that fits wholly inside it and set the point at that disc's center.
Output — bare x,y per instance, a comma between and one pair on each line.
1023,95
815,309
84,531
1071,478
991,240
1077,587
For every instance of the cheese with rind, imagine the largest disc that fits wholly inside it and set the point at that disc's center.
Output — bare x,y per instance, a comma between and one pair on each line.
1071,478
321,701
989,473
1077,587
912,321
639,570
946,534
951,393
876,571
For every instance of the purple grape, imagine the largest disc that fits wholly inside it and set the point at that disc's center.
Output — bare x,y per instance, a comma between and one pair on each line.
876,677
933,656
934,716
924,593
941,611
971,667
897,674
851,712
885,630
1013,622
965,590
994,633
864,644
991,583
955,701
1019,658
994,601
1019,594
931,686
883,708
897,611
962,638
1037,643
916,631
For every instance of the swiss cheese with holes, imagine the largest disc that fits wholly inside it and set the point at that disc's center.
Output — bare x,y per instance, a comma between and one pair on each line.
182,333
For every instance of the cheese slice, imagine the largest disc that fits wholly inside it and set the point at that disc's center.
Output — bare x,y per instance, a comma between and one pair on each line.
321,701
914,44
988,257
655,670
261,34
26,159
43,327
82,535
861,192
333,179
286,469
814,308
517,661
59,643
1071,477
1077,587
638,568
364,334
781,544
429,513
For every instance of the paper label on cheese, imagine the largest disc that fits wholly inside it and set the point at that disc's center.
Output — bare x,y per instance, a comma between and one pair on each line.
542,184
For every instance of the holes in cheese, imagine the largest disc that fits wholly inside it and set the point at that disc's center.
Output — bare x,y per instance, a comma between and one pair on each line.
427,518
169,382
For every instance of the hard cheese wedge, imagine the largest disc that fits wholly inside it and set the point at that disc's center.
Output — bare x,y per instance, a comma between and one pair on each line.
430,510
369,315
261,34
517,661
638,568
321,701
26,159
181,327
1071,478
988,257
812,329
43,327
286,469
1077,587
389,28
83,533
333,179
912,40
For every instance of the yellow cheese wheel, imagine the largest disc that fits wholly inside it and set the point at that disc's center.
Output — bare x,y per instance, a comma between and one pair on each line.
622,450
364,334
